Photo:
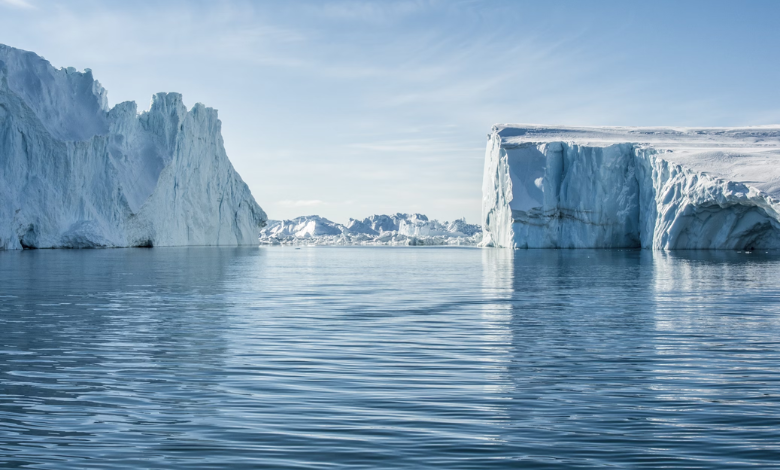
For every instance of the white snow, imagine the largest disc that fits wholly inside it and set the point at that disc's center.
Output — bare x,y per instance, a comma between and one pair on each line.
301,227
75,174
396,229
659,188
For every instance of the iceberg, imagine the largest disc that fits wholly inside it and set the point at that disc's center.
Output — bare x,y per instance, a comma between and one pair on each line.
76,174
301,227
395,230
632,187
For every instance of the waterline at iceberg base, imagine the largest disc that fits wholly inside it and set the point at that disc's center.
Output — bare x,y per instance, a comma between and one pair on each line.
612,187
76,174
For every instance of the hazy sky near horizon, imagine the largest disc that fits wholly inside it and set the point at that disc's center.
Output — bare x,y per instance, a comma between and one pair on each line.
350,108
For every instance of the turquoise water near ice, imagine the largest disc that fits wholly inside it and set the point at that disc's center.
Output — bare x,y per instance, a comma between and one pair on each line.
380,357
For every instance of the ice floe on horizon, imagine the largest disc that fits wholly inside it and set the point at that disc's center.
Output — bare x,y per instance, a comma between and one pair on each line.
394,230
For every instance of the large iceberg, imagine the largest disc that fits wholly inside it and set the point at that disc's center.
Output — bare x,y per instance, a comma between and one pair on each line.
76,174
628,187
395,230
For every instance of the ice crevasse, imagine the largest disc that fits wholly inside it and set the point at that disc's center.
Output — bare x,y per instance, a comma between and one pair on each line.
76,174
613,187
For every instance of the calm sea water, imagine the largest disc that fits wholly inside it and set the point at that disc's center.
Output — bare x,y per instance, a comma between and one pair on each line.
388,358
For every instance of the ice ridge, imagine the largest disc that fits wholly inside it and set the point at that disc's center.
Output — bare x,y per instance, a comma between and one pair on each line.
76,174
613,187
395,229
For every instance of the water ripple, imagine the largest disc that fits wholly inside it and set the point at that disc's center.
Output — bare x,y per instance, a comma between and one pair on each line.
388,358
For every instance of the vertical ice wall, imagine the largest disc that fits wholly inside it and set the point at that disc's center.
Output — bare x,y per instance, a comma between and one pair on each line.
75,174
597,192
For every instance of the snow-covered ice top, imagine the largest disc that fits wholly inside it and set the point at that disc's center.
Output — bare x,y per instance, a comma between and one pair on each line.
651,187
76,174
750,155
665,137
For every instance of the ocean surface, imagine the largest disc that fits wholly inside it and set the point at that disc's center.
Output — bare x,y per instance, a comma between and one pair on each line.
447,358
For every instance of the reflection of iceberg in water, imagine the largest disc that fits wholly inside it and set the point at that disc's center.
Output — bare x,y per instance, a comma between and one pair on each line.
581,346
642,352
714,291
496,307
111,335
497,283
572,359
716,321
135,297
715,318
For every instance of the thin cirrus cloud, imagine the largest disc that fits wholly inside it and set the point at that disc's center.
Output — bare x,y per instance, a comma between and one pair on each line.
425,146
142,33
17,4
301,203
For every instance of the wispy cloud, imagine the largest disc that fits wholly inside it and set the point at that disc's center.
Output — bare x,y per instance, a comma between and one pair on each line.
364,11
221,32
303,203
17,4
428,146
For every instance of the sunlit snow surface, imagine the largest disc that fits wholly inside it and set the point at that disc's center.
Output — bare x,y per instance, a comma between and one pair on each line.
76,174
396,229
618,187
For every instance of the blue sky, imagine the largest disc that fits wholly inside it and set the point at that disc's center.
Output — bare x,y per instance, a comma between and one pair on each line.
349,108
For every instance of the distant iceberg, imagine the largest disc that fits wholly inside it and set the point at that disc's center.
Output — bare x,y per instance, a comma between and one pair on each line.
613,187
397,230
76,174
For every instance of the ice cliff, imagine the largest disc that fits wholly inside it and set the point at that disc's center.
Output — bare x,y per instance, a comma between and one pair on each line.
611,187
396,229
76,174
